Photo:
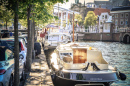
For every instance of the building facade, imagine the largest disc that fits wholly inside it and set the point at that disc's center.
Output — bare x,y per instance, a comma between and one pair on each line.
82,9
109,4
121,17
103,19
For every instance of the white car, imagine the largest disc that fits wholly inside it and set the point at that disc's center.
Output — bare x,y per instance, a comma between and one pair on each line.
9,42
7,66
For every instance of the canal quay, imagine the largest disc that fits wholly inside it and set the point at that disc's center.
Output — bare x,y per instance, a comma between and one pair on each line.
40,72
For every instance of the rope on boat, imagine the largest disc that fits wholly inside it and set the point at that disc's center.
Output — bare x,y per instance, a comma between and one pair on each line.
92,64
84,69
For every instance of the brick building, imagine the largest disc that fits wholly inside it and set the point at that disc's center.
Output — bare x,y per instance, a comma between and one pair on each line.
121,17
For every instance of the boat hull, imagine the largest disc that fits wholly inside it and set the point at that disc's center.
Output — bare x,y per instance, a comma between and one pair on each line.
71,78
60,81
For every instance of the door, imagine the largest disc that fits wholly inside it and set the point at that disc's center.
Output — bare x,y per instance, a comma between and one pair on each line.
79,55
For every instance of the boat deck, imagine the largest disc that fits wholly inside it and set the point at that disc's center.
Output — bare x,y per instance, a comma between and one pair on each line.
87,71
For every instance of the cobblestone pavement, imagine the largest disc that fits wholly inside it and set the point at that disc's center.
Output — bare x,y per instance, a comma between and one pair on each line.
40,73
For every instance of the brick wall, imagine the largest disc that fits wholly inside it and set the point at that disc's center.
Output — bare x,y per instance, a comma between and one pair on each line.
105,37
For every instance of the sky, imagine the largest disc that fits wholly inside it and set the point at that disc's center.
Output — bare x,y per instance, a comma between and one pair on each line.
67,5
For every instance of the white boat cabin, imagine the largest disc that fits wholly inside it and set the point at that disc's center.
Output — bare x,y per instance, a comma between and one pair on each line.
54,39
75,56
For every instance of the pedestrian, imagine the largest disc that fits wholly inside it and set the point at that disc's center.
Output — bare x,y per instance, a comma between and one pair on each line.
11,34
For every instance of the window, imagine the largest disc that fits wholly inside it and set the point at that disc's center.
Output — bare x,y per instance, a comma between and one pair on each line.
116,22
102,16
8,44
116,15
122,15
105,16
126,22
23,42
121,22
126,15
54,38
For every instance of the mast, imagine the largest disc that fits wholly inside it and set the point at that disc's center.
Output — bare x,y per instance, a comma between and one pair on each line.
73,26
58,15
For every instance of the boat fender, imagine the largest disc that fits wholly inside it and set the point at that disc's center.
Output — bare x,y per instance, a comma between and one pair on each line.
122,76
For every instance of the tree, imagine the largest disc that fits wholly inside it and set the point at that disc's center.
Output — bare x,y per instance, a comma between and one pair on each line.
79,19
5,16
18,8
90,19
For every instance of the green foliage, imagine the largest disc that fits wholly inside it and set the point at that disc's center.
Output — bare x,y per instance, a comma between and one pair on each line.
6,15
90,19
79,19
42,10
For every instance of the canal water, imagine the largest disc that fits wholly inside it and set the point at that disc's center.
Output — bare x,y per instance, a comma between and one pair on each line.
116,54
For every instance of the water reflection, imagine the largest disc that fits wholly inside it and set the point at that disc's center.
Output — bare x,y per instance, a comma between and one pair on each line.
116,54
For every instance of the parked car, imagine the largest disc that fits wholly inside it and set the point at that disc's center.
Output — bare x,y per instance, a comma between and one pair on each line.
24,41
6,66
24,37
37,46
9,42
4,33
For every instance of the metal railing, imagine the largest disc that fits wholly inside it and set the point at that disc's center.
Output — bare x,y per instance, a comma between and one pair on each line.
121,30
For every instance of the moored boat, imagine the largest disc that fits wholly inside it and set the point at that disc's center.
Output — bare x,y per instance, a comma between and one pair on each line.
52,40
74,64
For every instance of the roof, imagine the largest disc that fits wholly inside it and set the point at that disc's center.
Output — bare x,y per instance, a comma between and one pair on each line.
120,8
98,11
109,4
22,36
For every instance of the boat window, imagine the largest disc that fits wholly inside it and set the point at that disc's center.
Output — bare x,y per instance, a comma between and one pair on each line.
65,53
67,59
53,38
